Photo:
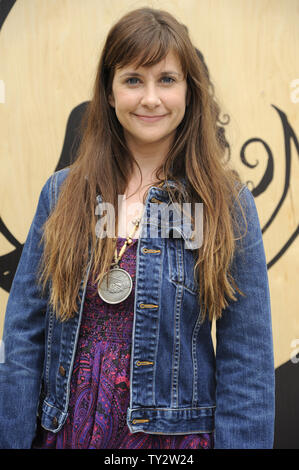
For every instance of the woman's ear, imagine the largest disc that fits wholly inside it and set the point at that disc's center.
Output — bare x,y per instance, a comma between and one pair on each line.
111,100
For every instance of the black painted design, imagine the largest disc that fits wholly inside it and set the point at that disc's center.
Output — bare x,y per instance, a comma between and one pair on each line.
72,137
289,135
5,7
287,406
9,261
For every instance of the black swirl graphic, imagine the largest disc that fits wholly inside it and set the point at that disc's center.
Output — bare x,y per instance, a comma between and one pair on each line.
289,136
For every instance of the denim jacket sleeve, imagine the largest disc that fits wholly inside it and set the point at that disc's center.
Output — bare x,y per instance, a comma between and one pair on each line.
23,338
244,352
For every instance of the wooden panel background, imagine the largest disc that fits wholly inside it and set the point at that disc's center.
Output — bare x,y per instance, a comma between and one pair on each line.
49,51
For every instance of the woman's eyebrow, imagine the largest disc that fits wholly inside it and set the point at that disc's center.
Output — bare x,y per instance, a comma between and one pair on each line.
171,72
136,74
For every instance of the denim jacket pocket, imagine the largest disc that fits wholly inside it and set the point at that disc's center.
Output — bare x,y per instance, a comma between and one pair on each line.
181,263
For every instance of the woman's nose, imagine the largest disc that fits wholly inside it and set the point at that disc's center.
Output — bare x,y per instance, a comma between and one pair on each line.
150,96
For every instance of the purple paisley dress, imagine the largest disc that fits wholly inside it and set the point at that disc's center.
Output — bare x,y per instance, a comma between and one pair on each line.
99,393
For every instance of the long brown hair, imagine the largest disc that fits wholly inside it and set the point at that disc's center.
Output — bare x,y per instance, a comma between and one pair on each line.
104,163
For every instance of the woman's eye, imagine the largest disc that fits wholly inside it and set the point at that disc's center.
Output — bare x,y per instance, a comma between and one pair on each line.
168,80
133,81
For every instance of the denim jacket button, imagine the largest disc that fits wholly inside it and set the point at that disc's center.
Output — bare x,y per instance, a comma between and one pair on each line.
55,422
155,200
62,371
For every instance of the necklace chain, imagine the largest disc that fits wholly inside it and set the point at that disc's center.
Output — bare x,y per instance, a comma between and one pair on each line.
127,243
129,239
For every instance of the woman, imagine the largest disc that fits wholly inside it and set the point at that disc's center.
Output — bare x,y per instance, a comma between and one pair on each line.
113,349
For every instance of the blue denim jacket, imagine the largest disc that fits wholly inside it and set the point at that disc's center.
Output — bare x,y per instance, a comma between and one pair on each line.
178,385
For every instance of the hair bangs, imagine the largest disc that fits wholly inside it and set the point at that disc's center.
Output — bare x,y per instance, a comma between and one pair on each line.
147,48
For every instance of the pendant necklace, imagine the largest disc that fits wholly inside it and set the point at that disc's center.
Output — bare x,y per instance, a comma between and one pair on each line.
117,283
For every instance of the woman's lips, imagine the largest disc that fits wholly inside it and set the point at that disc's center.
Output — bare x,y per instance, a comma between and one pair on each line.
150,118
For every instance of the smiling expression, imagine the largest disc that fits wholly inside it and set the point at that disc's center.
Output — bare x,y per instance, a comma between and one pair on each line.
150,101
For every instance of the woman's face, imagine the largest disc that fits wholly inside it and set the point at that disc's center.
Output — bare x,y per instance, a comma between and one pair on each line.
150,101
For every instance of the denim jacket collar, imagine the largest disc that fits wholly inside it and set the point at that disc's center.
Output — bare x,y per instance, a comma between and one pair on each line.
160,195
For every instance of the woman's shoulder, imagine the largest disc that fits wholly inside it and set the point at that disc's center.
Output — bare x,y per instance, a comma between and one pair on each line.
245,199
52,186
59,176
247,218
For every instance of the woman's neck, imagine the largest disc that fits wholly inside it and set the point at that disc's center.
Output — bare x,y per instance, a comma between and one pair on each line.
149,156
149,160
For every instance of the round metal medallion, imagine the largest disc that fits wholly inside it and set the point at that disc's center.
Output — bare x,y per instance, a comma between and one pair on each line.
118,288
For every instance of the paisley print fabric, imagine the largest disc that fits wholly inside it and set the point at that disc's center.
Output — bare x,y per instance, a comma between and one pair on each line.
100,388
